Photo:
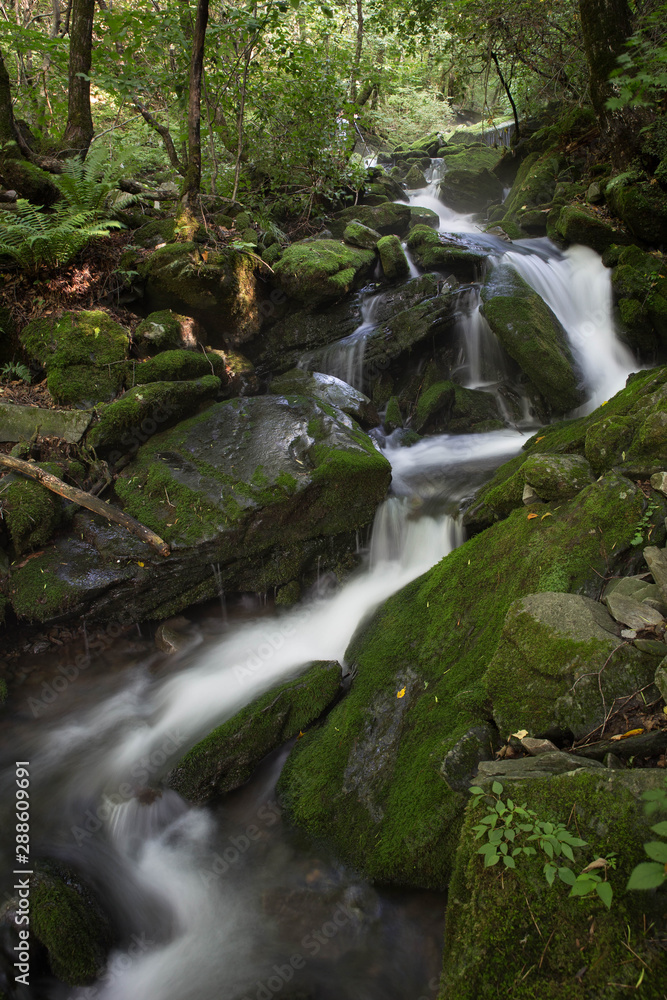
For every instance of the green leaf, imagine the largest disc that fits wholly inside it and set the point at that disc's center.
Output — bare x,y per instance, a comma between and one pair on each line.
496,788
657,851
567,852
509,862
660,828
476,790
567,875
490,860
605,892
550,872
582,886
647,875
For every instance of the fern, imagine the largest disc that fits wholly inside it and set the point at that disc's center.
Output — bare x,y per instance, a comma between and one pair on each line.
33,239
90,185
15,369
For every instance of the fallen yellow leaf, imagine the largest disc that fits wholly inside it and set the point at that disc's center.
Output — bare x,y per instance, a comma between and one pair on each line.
401,693
140,564
630,732
520,734
537,440
531,516
548,514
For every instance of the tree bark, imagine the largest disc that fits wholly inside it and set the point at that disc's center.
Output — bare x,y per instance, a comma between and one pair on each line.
192,182
357,52
605,25
79,129
506,88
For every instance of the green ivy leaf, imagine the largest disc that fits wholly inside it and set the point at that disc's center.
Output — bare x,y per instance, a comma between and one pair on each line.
647,875
657,851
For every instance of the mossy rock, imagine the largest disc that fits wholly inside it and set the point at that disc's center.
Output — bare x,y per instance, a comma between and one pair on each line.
449,408
641,206
531,334
577,225
469,191
474,158
219,288
369,780
392,257
423,217
141,412
639,280
228,756
393,417
178,366
533,187
155,232
358,235
557,477
168,331
320,271
328,389
386,186
68,921
387,219
560,663
414,179
31,512
433,250
556,947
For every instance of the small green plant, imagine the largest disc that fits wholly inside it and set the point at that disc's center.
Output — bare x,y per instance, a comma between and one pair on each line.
15,370
513,830
644,524
653,874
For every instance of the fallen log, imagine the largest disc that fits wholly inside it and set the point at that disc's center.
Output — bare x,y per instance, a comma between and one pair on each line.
83,499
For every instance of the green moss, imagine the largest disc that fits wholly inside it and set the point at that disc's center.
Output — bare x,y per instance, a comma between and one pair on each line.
75,338
385,219
431,250
178,366
394,262
317,271
227,757
37,592
66,920
84,385
510,934
32,513
158,231
400,822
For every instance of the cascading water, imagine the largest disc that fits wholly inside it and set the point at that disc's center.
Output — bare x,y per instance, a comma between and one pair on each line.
345,358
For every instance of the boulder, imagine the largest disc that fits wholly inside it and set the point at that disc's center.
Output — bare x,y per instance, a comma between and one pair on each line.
388,219
533,187
217,287
168,331
423,217
21,423
557,477
556,946
414,179
31,512
82,353
642,206
315,272
179,366
251,494
470,191
578,225
358,235
392,257
639,280
449,408
328,389
369,780
227,757
456,255
559,666
531,334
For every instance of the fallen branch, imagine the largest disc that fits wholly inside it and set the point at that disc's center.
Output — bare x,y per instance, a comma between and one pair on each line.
76,496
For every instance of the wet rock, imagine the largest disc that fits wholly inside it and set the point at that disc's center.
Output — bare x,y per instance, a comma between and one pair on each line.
531,334
22,423
639,281
544,764
431,249
358,235
392,257
656,560
492,939
659,482
388,219
558,666
557,477
82,353
533,188
576,225
640,205
423,217
450,408
179,366
469,191
144,411
168,331
170,639
398,820
414,179
463,760
217,287
631,613
386,186
328,389
227,757
321,271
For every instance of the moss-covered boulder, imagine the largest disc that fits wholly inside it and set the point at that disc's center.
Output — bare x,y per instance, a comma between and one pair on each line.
145,410
512,934
531,334
533,187
315,272
154,233
642,206
383,185
559,666
328,389
423,217
67,920
358,235
217,287
447,407
414,179
435,250
473,157
392,257
579,225
387,219
82,353
178,366
469,191
369,780
556,477
31,512
227,757
168,331
639,281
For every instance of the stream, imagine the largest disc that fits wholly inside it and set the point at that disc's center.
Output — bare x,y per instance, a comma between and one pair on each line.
228,902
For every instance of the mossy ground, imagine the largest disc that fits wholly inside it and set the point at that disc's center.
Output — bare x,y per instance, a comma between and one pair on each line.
435,639
508,934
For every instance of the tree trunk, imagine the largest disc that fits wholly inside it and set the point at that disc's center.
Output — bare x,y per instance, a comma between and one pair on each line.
7,127
79,129
192,182
605,25
357,53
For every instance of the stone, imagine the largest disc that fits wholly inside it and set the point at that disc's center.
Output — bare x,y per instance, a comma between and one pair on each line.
557,477
577,225
171,641
559,665
227,757
31,512
22,423
537,747
392,257
414,179
641,206
544,764
529,496
656,560
450,408
631,613
531,334
651,646
167,331
328,389
387,219
659,482
469,191
315,272
457,255
179,366
358,235
594,193
423,217
461,763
